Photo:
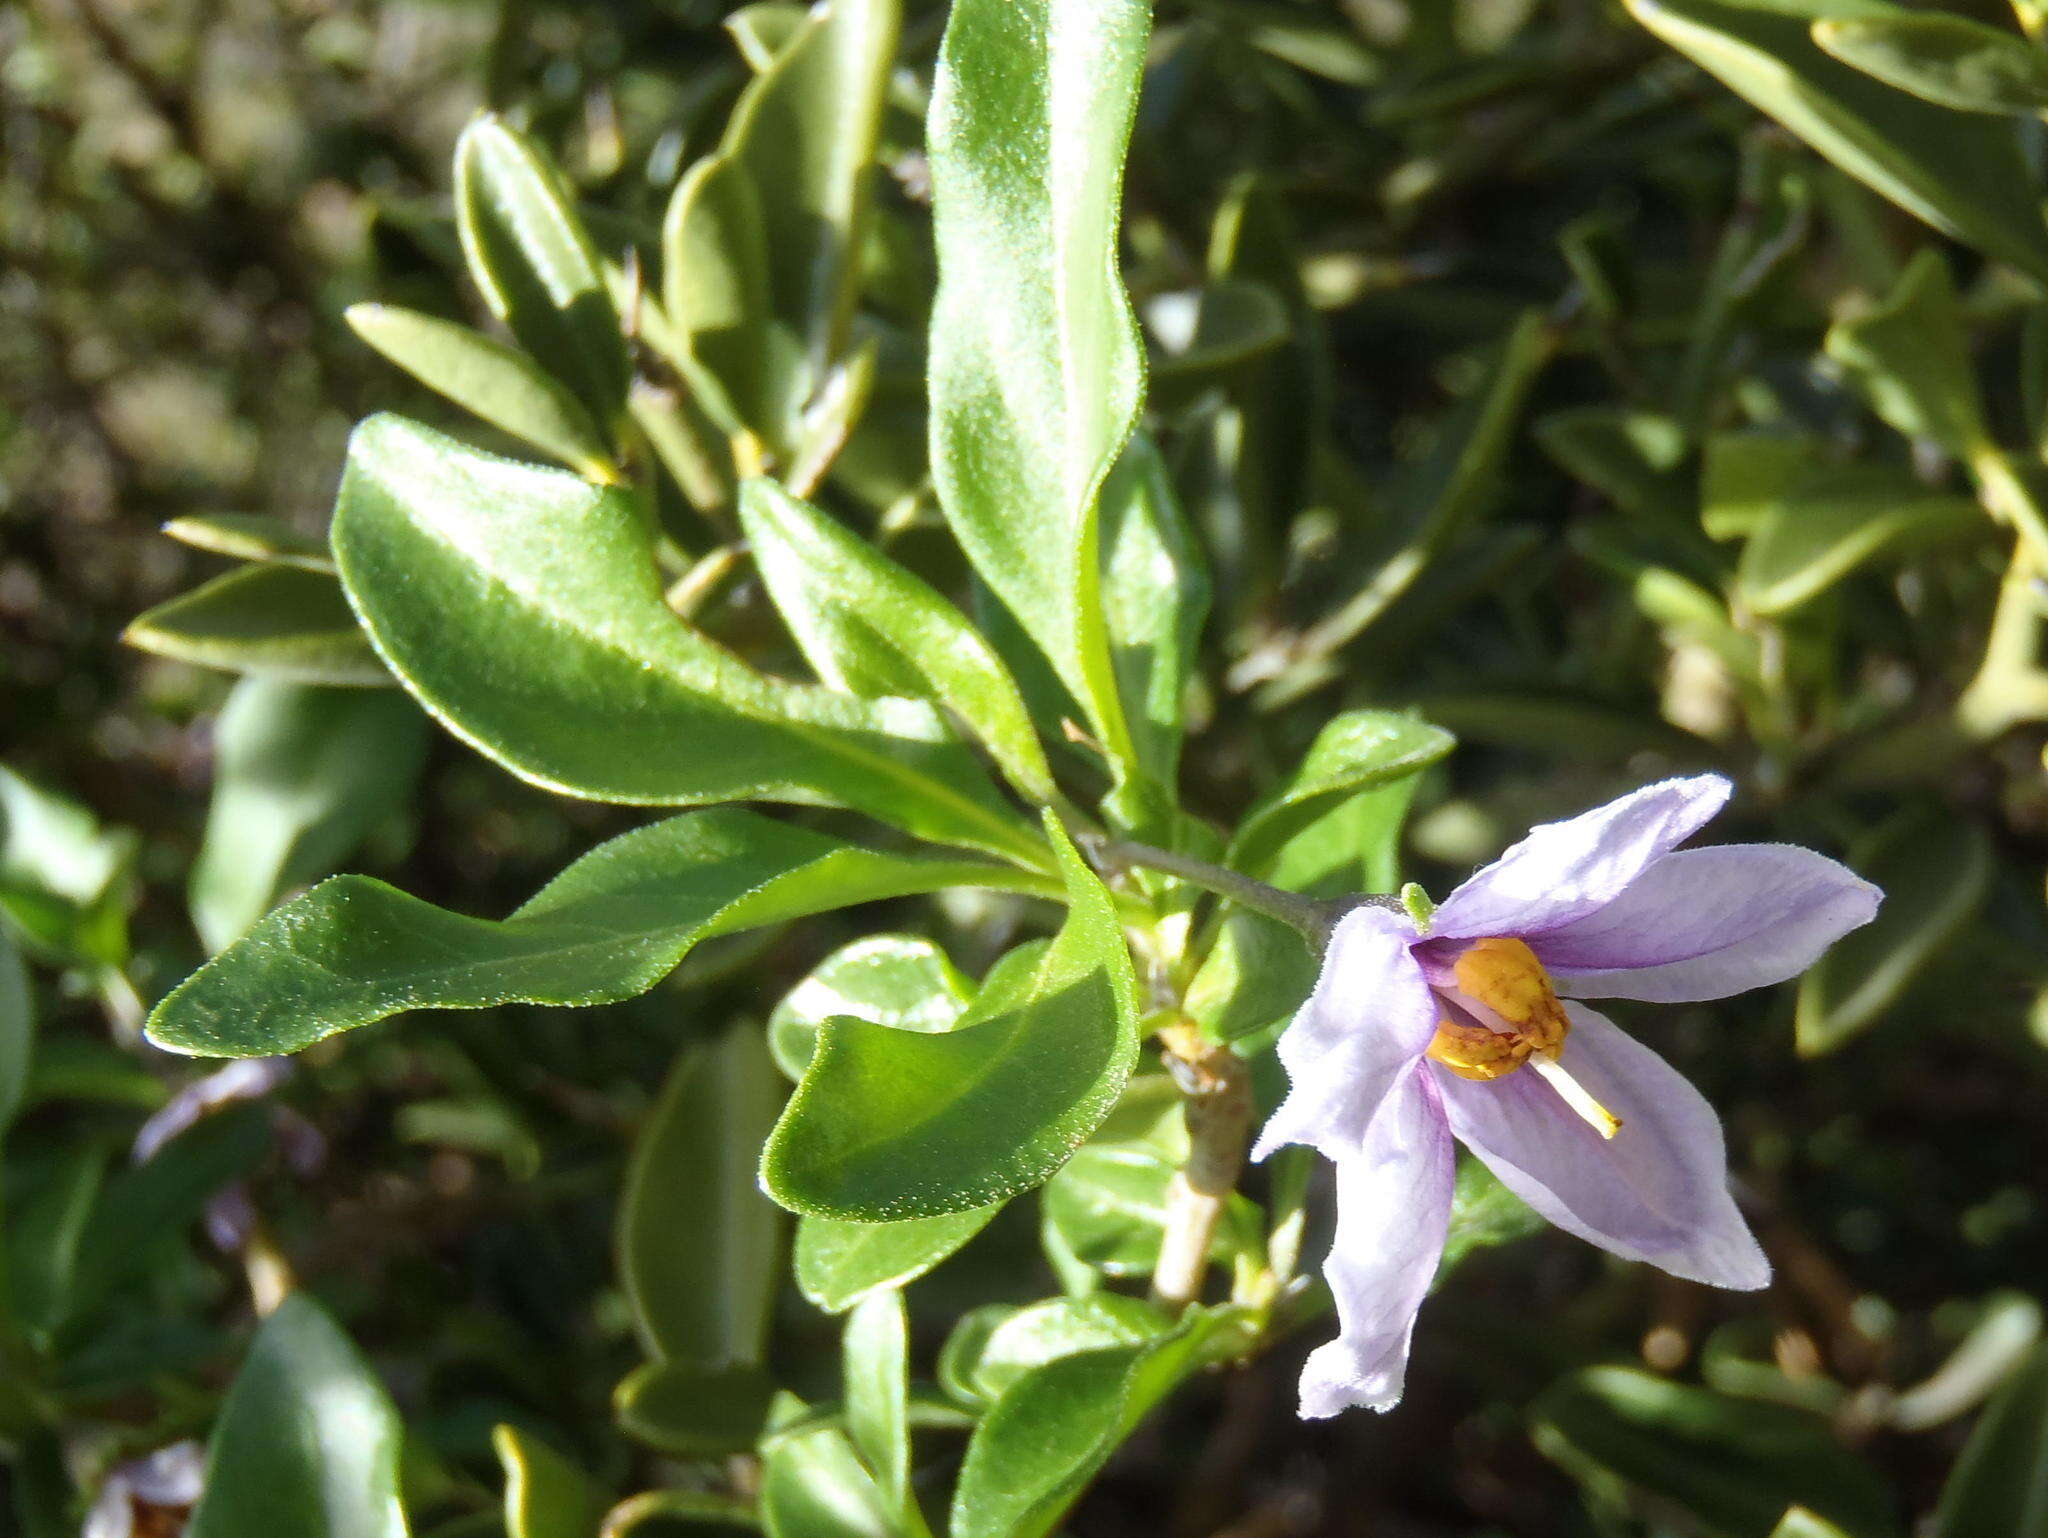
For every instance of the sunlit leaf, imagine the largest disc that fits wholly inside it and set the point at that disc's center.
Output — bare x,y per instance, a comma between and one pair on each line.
277,621
307,1442
891,1124
353,951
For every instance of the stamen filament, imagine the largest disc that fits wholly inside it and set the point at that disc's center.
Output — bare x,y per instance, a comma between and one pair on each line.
1575,1095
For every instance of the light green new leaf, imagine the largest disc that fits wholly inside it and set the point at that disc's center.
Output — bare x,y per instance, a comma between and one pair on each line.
500,384
699,1246
840,1262
1043,1440
2000,1483
1155,595
278,621
1935,871
877,1389
307,1443
870,627
762,240
1037,371
1910,357
1798,1522
523,607
891,1124
1730,1465
301,776
1949,60
533,259
251,537
1837,522
1030,1337
813,1484
17,1028
353,951
1356,751
546,1496
1962,173
901,981
64,878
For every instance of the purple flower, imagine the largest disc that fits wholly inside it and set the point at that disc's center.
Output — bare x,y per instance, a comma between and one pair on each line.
1416,1034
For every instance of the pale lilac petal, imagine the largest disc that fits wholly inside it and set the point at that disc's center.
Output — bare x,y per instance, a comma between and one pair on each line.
1565,870
1393,1209
1705,923
1370,1016
1657,1192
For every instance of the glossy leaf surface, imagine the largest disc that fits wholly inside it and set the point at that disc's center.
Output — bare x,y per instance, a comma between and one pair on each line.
1036,366
307,1443
891,1124
870,627
523,608
353,951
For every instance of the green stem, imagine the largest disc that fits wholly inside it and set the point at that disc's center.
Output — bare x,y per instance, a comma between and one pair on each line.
1313,918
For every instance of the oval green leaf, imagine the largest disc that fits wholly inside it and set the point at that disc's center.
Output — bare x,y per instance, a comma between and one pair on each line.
278,621
891,1124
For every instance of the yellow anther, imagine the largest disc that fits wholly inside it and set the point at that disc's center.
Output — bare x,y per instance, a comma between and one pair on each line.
1505,976
1474,1052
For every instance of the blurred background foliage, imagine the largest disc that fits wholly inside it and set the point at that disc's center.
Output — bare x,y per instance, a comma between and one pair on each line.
1509,366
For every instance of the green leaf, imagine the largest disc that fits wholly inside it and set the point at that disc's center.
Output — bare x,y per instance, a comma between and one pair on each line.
1838,521
901,981
840,1262
890,1124
870,627
1484,1213
17,1029
699,1245
1036,367
877,1391
1951,61
500,384
762,30
1731,1465
1028,1338
1155,595
278,621
1036,1449
534,262
64,879
1798,1522
546,1496
1358,750
1963,174
307,1443
353,951
813,1484
763,239
691,1410
1910,357
301,776
1107,1207
1936,871
472,572
2000,1482
1744,475
251,537
45,1229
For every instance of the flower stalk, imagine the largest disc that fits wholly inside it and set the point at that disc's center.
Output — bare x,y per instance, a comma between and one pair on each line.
1217,1104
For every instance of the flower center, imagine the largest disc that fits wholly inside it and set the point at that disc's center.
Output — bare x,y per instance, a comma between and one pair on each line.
1504,1013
